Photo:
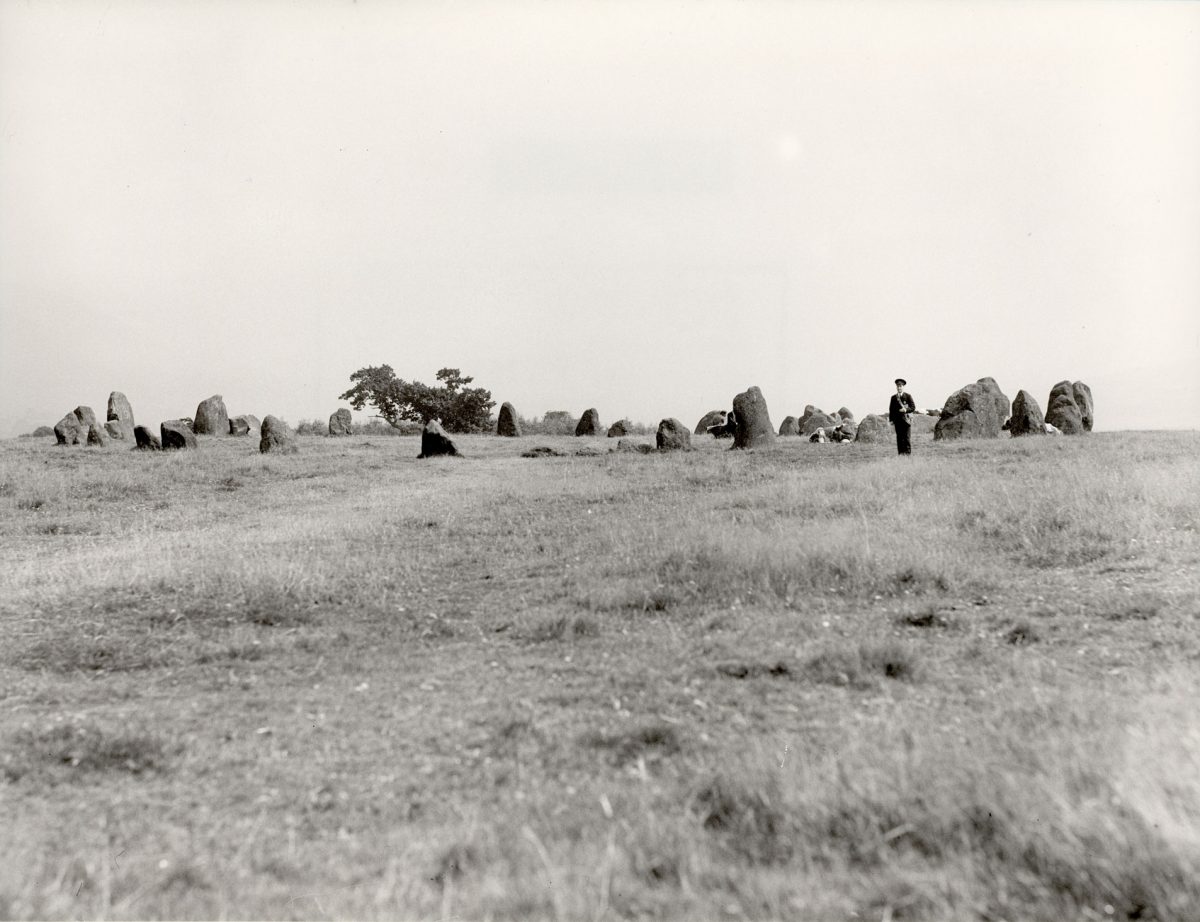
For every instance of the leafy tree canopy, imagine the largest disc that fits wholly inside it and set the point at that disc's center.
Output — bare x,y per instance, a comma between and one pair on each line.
458,407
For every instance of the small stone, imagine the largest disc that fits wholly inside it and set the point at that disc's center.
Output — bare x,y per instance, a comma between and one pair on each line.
177,434
70,431
277,437
673,435
341,422
434,441
145,439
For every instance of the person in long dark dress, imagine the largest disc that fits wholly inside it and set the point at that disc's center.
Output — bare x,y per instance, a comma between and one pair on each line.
899,409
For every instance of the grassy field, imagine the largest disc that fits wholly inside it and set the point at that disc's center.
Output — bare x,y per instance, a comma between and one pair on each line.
812,682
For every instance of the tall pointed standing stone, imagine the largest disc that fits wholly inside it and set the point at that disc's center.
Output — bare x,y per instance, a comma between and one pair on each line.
507,424
120,413
754,429
589,423
1026,416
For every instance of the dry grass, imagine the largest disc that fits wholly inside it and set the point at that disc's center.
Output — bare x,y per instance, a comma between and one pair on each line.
812,682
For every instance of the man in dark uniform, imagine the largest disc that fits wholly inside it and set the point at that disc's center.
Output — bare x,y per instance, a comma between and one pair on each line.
901,405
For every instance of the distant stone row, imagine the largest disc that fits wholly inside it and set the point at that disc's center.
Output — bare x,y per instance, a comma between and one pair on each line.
80,427
978,410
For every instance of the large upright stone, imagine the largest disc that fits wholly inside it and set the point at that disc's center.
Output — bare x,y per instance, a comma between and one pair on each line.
507,423
120,413
1027,418
211,417
789,426
434,441
1083,400
708,420
277,437
177,434
673,435
341,422
753,422
145,439
844,413
620,428
873,428
589,423
977,411
70,430
1062,412
97,435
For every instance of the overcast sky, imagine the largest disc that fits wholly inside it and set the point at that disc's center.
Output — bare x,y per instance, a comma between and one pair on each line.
641,207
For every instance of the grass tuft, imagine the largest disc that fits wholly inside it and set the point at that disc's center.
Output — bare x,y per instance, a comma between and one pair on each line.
1022,634
563,627
777,669
748,819
862,665
85,749
928,618
651,741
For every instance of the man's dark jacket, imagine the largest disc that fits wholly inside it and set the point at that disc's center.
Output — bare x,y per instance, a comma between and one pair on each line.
897,406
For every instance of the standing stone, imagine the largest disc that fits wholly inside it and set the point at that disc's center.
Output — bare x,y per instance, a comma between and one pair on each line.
845,413
709,419
434,441
177,434
211,418
97,435
1062,411
244,425
754,429
340,422
673,435
145,439
589,423
70,431
619,428
813,419
1083,400
788,426
1064,415
977,411
86,417
120,413
1026,416
873,428
277,437
507,423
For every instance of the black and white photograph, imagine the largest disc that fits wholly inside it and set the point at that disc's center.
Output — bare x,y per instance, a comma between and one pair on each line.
526,460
